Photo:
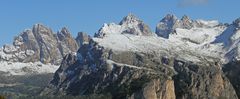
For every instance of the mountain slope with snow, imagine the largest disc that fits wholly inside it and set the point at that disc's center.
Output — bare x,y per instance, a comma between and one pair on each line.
18,68
126,60
184,58
199,40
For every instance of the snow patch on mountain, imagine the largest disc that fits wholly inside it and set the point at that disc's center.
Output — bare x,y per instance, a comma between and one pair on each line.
112,63
197,35
188,40
153,44
18,68
226,36
210,23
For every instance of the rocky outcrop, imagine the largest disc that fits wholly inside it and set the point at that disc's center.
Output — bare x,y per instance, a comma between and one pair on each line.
134,75
237,22
127,61
129,25
201,82
186,22
82,38
166,26
40,44
156,89
135,26
66,43
232,71
170,23
124,75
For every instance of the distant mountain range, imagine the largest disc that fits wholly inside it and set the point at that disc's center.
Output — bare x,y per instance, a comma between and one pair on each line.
182,59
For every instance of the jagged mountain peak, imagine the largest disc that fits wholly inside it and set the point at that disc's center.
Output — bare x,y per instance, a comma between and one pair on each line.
230,35
186,18
65,32
82,38
39,26
41,31
127,63
186,22
169,17
130,19
39,44
166,25
170,23
237,22
129,25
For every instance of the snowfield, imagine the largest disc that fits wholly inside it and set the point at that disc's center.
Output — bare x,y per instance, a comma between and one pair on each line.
153,44
17,68
193,44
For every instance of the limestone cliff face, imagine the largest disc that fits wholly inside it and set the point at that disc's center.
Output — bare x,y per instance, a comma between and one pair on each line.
47,44
82,38
66,43
40,44
156,89
135,75
202,81
232,71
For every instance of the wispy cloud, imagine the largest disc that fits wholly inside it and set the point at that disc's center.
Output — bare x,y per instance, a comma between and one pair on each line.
186,3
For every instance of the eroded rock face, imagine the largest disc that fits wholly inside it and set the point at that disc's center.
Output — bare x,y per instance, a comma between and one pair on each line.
232,71
66,43
186,22
166,26
201,81
170,22
40,44
237,22
156,89
82,38
98,70
47,44
135,75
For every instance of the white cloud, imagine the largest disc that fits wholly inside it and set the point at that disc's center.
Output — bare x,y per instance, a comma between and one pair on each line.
185,3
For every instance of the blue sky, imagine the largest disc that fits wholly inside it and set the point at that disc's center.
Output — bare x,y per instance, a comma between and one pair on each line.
89,15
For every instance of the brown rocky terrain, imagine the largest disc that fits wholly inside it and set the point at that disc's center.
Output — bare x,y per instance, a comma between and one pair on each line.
41,44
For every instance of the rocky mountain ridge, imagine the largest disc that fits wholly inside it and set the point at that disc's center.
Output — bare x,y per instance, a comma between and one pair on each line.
182,61
41,44
39,50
